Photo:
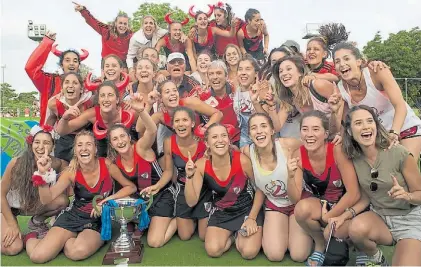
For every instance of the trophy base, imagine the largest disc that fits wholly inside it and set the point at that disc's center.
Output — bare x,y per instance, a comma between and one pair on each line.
134,256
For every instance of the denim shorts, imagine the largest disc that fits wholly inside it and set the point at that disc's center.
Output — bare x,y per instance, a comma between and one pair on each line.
404,226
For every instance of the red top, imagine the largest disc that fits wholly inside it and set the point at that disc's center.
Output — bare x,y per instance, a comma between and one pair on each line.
328,185
61,109
326,67
48,84
110,45
181,48
220,41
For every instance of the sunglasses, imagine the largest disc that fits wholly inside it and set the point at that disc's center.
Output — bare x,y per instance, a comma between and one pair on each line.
374,175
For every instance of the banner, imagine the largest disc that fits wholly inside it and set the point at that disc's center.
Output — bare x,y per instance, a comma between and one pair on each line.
13,134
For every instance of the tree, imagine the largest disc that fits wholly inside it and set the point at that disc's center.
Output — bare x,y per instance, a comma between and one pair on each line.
10,99
402,52
158,11
84,70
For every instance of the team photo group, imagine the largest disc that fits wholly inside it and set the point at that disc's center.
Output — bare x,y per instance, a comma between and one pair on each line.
309,152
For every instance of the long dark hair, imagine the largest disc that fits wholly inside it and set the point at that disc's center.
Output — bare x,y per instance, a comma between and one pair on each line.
21,176
351,147
270,122
266,70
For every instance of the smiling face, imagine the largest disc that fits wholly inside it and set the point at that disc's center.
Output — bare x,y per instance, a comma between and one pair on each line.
183,124
232,56
202,21
122,25
70,62
175,31
170,96
144,71
347,65
312,134
42,144
246,73
203,62
220,17
72,89
85,149
176,68
315,53
148,27
218,140
260,131
112,69
217,78
363,128
120,140
256,21
108,99
289,74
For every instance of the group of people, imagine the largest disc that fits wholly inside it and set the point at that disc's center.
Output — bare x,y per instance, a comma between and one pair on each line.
280,152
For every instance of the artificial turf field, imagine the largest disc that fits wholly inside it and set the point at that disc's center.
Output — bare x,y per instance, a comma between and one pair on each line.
175,253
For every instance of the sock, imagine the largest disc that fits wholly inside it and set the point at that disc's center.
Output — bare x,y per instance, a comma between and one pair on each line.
377,257
361,259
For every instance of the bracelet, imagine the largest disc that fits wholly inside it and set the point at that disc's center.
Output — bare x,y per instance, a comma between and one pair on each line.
37,180
394,132
352,211
190,177
248,217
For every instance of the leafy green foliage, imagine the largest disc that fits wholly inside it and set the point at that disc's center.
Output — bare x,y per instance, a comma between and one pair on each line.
158,11
402,52
10,99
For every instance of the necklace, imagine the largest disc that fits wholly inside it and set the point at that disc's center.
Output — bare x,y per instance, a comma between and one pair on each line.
355,86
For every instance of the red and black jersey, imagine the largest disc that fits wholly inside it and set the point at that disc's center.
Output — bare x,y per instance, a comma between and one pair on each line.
235,193
144,173
101,123
327,185
170,48
61,108
110,45
84,194
180,160
220,41
187,84
225,105
326,67
253,45
48,84
209,45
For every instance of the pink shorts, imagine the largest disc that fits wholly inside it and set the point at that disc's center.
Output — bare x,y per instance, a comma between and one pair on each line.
288,210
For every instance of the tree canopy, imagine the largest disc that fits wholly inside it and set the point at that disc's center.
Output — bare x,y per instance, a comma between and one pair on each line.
13,100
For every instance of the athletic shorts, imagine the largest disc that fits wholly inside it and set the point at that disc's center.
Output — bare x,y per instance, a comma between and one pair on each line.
232,220
163,204
76,221
414,131
200,211
288,211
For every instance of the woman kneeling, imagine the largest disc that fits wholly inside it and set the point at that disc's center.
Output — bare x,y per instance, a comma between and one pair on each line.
77,229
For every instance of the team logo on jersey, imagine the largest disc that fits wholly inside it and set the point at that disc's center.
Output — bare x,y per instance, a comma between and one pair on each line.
208,206
237,190
276,189
144,175
337,183
211,101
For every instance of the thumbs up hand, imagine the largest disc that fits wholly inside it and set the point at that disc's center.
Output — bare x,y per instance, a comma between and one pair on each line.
292,164
398,192
190,167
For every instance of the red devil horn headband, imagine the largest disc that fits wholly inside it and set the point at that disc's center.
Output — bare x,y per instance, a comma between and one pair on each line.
193,14
168,19
58,53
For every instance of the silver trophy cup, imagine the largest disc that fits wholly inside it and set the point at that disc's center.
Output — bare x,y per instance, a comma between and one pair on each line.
123,214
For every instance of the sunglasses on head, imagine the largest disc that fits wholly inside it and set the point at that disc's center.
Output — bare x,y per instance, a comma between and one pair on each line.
374,175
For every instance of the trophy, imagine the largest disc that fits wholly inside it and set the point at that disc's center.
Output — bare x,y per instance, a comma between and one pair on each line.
124,249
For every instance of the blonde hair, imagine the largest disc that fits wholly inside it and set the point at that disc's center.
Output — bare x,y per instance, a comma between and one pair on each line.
74,163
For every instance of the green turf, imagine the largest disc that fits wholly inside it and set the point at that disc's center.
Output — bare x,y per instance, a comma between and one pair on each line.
176,252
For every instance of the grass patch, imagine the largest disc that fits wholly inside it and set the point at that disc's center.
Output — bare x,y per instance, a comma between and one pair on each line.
175,253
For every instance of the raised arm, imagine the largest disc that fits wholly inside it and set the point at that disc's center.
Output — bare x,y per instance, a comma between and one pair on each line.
157,119
190,54
149,136
37,61
197,105
98,26
194,180
66,126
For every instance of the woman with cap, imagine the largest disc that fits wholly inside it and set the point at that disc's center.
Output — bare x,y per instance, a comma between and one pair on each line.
20,197
49,84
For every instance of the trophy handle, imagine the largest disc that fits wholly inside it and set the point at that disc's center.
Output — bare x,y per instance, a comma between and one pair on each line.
94,204
150,201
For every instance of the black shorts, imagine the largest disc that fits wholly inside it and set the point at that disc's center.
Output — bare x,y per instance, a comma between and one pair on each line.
76,221
63,147
200,211
232,220
163,204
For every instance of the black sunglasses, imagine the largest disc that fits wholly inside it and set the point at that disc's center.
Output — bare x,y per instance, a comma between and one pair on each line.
374,175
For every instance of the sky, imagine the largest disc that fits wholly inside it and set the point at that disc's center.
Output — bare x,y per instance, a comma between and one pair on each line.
285,20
